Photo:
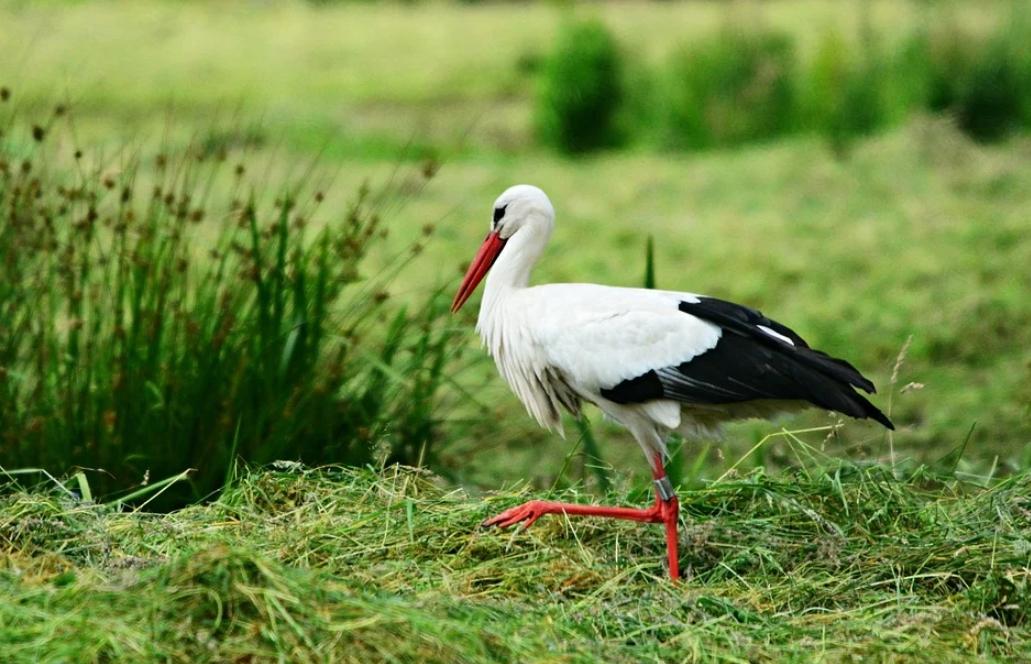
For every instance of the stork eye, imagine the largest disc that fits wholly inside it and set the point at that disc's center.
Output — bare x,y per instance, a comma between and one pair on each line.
499,212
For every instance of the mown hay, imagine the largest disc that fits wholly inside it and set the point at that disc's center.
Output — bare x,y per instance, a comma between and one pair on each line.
357,565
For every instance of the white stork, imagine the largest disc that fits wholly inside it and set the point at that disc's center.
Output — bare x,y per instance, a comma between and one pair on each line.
654,361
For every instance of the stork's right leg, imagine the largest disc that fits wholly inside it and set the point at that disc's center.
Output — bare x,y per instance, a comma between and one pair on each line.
666,511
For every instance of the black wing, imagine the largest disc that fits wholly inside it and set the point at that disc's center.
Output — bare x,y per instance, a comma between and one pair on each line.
755,358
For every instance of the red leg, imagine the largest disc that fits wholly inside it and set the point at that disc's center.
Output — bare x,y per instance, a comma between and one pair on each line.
668,505
665,510
670,516
529,512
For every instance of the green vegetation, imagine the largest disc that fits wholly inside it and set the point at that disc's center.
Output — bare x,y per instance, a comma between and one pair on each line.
580,90
357,566
918,233
730,88
135,342
745,83
990,90
865,179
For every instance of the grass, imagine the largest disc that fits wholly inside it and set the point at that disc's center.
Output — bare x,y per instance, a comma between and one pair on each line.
902,252
828,563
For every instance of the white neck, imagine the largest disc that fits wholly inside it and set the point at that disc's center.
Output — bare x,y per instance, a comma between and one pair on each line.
512,270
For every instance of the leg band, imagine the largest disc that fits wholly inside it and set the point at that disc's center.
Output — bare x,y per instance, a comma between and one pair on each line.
664,489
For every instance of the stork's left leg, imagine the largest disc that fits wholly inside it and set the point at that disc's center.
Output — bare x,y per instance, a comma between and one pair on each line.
665,511
669,508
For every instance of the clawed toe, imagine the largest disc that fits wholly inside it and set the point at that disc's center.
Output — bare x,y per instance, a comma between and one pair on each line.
525,514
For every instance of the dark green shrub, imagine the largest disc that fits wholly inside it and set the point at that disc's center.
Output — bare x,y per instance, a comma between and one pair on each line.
993,96
730,88
985,83
990,102
737,86
168,318
580,90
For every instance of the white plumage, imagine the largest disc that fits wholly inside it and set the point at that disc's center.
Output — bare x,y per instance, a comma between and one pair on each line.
581,338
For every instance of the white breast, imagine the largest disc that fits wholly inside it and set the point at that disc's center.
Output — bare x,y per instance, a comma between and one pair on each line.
555,339
508,336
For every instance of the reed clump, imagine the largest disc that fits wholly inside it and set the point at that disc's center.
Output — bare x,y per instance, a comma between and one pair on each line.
172,312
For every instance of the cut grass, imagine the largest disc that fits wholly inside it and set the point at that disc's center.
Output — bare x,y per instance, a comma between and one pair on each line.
358,565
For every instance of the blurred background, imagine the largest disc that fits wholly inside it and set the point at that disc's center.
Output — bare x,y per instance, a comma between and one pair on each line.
231,230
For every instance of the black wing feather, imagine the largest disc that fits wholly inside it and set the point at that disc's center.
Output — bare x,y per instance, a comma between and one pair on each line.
749,363
746,321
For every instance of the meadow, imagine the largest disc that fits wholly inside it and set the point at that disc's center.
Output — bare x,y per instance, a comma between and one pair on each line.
326,171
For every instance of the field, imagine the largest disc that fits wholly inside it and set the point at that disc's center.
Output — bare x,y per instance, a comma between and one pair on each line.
905,250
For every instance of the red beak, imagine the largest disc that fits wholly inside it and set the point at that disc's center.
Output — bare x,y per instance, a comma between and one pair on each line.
483,261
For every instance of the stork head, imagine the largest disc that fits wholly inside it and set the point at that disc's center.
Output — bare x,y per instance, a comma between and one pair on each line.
521,206
522,209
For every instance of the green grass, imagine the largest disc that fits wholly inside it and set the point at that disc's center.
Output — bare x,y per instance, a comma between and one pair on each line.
355,565
911,546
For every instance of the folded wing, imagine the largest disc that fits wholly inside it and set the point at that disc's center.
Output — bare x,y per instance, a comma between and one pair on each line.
754,358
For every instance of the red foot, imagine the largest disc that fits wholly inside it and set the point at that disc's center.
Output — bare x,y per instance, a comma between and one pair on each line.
663,511
526,514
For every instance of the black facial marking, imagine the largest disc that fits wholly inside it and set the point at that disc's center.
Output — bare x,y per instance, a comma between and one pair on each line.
499,212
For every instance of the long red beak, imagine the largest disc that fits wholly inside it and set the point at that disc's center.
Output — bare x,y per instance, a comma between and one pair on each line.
483,261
